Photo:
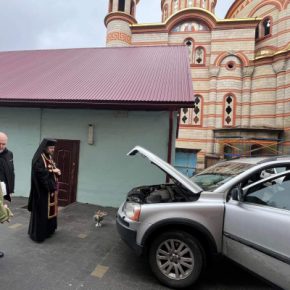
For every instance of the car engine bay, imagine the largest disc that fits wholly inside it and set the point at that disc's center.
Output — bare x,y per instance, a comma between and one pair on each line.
162,193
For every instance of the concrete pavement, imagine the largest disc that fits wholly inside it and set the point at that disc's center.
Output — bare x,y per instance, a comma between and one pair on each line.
81,256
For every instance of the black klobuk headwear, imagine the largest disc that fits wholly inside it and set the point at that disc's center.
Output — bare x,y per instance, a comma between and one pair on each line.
41,148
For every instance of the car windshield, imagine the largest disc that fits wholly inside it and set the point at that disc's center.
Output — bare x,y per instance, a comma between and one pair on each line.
218,174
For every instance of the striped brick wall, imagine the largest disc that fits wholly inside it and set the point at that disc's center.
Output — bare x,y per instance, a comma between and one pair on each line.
118,33
256,73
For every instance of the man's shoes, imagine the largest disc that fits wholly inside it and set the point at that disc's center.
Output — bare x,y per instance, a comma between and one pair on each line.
1,254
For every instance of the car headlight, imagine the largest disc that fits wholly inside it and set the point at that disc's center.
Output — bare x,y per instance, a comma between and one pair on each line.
132,210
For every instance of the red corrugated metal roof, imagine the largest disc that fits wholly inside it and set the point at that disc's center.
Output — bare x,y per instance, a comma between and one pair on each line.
97,75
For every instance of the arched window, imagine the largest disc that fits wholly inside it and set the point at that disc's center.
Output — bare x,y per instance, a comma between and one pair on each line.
110,6
175,4
132,8
190,44
199,56
197,111
229,112
267,26
190,3
121,5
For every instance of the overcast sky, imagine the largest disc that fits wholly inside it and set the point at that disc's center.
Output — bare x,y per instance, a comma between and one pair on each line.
48,24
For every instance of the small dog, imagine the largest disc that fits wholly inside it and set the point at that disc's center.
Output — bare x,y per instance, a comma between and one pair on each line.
98,217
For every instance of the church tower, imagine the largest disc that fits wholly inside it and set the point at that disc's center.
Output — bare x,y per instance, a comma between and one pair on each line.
170,7
121,15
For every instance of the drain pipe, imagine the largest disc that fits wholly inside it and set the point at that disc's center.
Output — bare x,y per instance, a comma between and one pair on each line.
170,134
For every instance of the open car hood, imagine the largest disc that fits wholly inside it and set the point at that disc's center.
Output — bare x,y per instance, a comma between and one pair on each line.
167,168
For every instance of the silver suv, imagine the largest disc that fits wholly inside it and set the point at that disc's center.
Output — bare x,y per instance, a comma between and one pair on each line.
236,208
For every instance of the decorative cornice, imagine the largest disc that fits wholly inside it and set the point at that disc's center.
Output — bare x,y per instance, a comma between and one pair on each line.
195,13
233,10
243,58
271,52
119,16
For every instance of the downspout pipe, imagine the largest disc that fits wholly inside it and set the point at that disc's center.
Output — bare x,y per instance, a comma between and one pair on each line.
170,134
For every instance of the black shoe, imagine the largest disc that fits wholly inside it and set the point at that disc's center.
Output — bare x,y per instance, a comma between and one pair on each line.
1,254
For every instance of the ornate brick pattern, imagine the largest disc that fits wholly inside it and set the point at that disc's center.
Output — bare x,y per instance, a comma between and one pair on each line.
119,36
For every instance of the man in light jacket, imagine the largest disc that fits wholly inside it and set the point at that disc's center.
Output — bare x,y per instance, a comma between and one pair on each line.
6,170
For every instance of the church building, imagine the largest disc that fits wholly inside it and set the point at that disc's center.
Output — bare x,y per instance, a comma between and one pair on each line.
240,71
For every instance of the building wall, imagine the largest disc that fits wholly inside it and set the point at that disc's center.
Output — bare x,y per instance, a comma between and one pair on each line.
106,174
258,80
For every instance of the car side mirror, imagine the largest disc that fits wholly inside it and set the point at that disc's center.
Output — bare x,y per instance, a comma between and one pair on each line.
237,193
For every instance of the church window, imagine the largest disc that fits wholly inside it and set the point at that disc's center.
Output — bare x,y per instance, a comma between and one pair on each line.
229,111
121,5
192,116
197,111
203,4
190,3
189,43
190,26
184,116
267,26
199,56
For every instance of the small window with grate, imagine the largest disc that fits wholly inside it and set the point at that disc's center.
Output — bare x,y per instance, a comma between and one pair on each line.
197,111
229,111
199,56
184,116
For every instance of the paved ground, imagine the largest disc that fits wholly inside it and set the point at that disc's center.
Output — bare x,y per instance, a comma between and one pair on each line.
81,256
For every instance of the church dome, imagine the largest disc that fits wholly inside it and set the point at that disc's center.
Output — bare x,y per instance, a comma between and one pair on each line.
170,7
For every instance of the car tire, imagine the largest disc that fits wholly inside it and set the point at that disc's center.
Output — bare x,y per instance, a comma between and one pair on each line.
176,259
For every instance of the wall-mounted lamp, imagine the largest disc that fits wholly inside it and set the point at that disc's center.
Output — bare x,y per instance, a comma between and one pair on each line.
90,134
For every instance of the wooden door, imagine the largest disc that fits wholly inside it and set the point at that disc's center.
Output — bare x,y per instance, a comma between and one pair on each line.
66,156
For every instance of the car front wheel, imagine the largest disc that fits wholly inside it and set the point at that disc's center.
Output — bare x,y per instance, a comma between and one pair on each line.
176,259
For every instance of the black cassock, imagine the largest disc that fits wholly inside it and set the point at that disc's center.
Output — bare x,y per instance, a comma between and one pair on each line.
42,201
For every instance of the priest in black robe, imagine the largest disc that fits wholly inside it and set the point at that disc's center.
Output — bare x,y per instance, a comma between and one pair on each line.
42,201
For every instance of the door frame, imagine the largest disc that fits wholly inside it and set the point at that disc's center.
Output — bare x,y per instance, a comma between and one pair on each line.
74,173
